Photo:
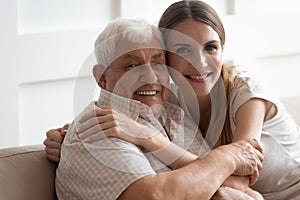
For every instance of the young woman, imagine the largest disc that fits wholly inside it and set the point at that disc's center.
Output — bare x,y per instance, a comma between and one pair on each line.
230,105
223,94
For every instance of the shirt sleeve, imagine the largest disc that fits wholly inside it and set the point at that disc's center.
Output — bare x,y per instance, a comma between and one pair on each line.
246,88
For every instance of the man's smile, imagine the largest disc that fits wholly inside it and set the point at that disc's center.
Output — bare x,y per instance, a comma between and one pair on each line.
147,92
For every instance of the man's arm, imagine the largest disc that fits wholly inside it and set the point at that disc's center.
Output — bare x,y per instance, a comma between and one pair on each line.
191,182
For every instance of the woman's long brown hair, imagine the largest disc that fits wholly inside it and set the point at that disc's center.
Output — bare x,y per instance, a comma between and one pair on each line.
202,12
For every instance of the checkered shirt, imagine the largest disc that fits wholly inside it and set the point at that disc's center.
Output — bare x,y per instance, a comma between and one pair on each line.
104,169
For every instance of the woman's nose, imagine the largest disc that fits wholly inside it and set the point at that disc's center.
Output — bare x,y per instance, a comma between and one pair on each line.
200,60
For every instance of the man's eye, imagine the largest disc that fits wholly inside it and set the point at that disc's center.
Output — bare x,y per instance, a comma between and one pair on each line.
132,65
158,66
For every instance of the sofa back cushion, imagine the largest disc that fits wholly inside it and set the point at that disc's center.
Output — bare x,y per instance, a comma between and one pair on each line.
292,106
25,173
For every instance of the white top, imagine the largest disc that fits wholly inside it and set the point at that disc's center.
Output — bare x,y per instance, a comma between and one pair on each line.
280,177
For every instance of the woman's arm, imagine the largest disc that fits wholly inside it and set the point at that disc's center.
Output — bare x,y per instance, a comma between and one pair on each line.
108,122
250,118
220,162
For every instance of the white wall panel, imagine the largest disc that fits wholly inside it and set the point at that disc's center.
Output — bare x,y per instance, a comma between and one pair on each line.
43,47
43,105
60,15
47,104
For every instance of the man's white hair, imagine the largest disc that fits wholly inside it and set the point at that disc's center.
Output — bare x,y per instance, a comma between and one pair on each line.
134,30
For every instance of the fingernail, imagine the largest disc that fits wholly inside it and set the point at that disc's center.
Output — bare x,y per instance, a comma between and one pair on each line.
80,136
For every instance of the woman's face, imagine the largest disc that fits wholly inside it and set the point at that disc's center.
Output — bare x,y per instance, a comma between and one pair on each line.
195,54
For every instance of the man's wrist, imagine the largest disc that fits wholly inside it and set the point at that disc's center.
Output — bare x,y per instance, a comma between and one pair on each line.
223,156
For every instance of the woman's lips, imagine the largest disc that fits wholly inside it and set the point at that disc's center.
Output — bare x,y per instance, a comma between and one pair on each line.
199,78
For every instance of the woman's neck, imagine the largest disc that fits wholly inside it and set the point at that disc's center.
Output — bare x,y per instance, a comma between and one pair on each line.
205,113
203,120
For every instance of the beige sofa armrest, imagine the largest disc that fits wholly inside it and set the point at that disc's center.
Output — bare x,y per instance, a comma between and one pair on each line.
25,173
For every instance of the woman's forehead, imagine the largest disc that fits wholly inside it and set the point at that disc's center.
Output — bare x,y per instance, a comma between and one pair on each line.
190,31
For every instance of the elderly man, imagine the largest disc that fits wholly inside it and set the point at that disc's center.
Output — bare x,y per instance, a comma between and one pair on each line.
134,79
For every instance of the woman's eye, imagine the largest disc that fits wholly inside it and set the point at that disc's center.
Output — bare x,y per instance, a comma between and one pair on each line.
210,48
182,50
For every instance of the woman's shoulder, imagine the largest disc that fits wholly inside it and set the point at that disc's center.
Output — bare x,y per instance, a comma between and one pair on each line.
247,82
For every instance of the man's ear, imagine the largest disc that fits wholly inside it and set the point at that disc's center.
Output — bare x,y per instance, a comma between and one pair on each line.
99,75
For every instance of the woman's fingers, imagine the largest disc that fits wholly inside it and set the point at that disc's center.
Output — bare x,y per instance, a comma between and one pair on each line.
107,122
97,112
91,122
97,129
94,117
95,137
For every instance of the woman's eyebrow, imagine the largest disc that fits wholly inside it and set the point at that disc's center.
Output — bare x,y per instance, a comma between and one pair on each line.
212,41
181,44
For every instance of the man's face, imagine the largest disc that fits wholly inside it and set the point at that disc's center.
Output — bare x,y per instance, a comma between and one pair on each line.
140,74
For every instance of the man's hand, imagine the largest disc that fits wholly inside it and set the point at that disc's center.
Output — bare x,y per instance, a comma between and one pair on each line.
248,157
227,193
54,141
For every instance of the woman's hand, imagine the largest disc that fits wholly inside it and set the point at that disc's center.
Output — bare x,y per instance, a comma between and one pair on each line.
53,142
109,122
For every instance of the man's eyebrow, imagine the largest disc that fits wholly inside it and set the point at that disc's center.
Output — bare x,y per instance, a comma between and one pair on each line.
130,56
158,55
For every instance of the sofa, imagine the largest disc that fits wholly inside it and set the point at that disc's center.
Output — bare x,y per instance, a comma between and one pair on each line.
26,174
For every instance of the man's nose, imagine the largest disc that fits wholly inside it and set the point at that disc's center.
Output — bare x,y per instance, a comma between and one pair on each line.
148,75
